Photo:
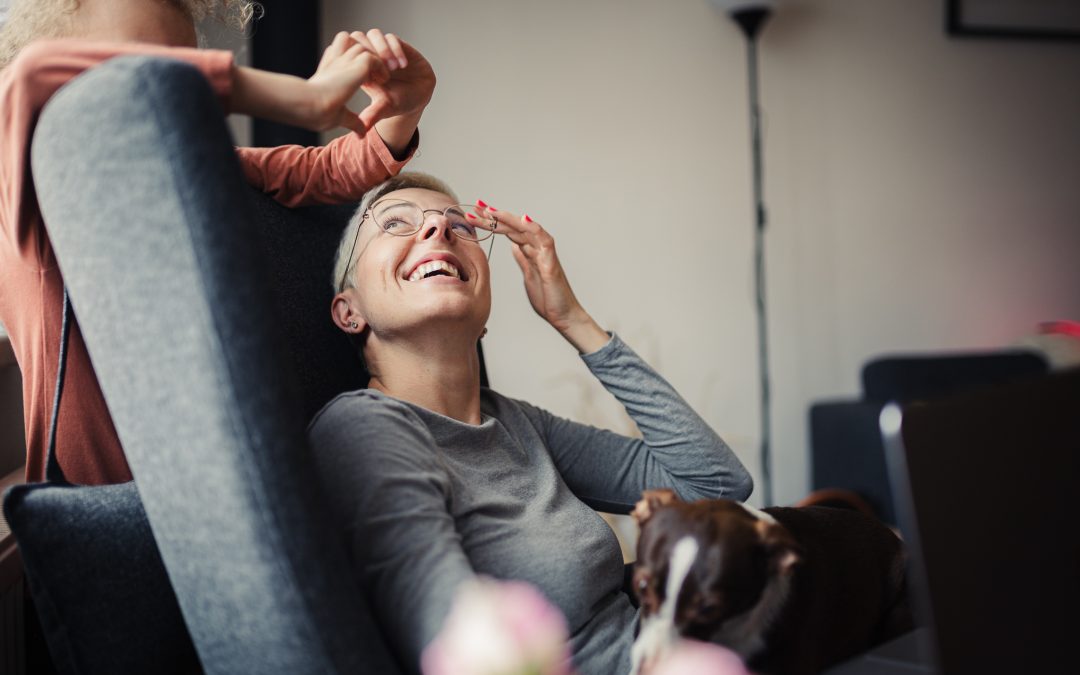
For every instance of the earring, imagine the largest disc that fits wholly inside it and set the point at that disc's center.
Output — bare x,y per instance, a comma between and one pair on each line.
484,332
354,325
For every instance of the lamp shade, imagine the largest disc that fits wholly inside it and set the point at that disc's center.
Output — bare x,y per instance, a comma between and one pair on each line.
749,14
732,6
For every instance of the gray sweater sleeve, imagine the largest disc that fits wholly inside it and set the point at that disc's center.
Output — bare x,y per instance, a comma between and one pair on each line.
382,474
678,449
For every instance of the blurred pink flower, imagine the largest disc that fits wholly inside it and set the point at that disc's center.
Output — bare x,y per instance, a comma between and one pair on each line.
690,657
499,628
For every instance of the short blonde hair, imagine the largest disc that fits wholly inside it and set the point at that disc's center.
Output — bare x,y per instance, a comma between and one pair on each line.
345,258
30,20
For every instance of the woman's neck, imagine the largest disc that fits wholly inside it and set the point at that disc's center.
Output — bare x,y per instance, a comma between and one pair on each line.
434,373
155,21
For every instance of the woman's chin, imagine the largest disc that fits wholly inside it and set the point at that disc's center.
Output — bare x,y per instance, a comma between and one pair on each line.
449,319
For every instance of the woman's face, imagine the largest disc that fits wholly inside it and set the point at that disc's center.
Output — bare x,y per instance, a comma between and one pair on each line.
391,294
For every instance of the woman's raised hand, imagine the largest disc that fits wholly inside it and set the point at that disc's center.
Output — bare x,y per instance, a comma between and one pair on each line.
545,281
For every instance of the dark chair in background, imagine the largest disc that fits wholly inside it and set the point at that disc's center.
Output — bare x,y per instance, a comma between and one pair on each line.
845,437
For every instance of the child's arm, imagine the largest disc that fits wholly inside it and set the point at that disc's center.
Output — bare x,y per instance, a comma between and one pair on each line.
336,173
339,172
399,81
399,101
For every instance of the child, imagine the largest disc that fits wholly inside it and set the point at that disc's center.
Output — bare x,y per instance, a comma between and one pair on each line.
384,136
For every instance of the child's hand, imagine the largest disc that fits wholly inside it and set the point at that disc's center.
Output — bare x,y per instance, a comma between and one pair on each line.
346,65
411,81
396,76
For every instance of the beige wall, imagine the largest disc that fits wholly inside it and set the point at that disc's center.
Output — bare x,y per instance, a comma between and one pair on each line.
923,191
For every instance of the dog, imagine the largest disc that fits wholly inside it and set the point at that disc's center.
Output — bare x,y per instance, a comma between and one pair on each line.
791,590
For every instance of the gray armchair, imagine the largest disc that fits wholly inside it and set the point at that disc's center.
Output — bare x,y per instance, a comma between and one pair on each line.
204,308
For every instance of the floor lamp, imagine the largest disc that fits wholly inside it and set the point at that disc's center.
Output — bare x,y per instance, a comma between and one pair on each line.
750,16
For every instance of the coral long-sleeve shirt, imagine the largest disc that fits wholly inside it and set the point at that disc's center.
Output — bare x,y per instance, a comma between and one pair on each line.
31,288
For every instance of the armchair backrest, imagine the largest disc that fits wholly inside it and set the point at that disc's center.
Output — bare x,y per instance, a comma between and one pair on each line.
299,245
157,237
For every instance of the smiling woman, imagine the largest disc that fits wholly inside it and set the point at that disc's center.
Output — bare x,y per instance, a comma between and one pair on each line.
403,218
438,479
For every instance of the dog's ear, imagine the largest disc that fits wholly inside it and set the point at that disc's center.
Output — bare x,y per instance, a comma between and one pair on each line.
650,501
781,548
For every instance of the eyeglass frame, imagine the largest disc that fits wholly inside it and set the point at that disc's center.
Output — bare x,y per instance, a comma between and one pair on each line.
423,212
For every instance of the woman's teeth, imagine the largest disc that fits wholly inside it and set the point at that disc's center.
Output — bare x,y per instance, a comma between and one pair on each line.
432,267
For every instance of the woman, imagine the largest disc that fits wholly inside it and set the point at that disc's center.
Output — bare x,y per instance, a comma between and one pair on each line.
437,479
398,78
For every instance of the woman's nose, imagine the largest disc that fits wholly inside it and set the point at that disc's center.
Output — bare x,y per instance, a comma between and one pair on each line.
436,225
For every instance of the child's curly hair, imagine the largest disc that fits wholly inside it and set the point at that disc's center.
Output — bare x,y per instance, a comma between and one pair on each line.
234,13
30,20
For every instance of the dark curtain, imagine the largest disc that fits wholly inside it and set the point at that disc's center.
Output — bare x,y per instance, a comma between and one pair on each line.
286,40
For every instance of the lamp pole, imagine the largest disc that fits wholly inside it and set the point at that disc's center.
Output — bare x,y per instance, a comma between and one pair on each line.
750,17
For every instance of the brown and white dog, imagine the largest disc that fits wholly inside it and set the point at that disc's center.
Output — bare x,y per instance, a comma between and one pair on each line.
791,590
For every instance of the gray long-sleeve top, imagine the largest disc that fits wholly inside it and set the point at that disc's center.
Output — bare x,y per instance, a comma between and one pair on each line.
427,501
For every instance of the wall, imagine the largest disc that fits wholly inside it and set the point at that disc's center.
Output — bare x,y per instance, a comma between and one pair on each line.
921,189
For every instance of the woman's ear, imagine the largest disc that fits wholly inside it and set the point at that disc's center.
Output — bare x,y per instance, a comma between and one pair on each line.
345,315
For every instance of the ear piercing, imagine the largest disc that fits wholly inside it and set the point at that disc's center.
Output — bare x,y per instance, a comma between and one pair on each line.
354,325
484,332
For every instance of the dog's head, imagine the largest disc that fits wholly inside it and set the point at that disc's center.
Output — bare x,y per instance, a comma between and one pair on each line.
739,554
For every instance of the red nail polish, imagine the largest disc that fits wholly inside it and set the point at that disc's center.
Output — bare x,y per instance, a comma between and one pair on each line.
528,219
492,209
480,202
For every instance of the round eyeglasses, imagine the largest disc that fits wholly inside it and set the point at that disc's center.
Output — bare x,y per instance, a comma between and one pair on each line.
402,218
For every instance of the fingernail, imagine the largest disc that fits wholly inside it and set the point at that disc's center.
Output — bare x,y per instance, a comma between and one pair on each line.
469,215
480,202
401,63
528,219
492,209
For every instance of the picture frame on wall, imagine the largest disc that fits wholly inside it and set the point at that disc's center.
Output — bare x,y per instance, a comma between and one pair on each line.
1053,20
